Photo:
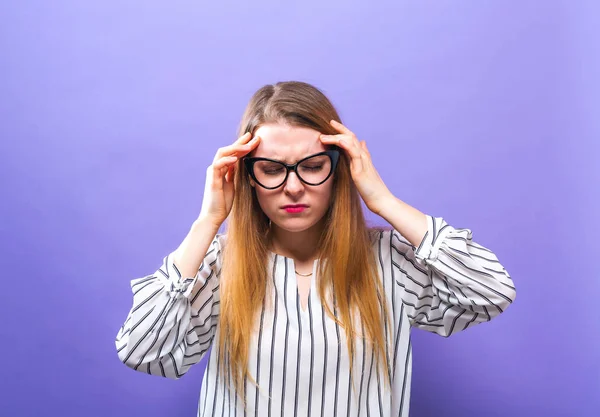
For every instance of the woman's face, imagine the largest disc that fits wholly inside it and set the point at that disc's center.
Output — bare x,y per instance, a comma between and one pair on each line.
290,144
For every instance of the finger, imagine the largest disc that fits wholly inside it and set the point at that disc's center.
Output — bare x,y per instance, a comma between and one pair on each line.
224,162
340,127
227,170
337,139
220,169
365,151
353,151
244,138
230,173
346,135
238,149
249,147
363,144
333,139
351,141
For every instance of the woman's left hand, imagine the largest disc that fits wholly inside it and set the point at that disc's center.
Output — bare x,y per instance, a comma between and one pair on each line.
371,187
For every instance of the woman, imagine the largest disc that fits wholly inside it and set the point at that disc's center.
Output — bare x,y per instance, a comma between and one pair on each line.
298,271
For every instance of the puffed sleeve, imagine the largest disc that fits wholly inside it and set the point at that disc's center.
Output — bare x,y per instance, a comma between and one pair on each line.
173,318
449,283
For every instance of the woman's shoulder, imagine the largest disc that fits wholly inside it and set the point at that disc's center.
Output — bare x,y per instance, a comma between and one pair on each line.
386,235
376,233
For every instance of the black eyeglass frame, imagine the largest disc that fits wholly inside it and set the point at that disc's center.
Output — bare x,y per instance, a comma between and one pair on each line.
333,155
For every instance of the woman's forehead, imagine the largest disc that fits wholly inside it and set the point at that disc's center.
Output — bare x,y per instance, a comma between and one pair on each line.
287,143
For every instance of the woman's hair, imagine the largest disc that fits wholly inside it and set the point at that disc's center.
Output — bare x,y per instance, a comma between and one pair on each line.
347,274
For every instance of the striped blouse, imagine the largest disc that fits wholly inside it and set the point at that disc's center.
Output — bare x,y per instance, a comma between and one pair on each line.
298,356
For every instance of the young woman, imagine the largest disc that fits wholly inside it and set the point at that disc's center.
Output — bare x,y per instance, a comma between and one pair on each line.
308,311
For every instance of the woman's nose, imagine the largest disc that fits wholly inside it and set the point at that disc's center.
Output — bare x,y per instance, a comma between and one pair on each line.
293,183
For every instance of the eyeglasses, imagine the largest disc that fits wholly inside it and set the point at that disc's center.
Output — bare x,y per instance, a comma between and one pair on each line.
312,170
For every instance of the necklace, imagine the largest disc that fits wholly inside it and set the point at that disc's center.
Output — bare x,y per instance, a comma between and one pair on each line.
303,275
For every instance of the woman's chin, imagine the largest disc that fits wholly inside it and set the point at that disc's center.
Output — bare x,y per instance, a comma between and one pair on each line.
295,225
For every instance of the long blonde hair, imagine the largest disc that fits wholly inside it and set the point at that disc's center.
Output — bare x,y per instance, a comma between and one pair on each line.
350,272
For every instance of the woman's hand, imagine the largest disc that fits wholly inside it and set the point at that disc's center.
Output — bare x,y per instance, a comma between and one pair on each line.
368,182
219,189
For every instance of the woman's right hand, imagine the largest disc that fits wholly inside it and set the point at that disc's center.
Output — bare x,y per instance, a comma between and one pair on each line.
219,189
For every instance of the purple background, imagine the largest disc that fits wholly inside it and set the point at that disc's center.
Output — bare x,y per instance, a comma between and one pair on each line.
483,112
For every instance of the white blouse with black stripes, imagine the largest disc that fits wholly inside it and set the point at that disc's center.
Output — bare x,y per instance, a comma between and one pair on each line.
299,357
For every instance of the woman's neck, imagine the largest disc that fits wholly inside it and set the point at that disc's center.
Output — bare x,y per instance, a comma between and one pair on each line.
301,246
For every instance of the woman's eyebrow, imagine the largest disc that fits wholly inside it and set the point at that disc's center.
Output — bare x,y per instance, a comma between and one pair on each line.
285,160
275,158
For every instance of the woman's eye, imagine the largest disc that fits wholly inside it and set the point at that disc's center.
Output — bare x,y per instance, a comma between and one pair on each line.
272,171
313,168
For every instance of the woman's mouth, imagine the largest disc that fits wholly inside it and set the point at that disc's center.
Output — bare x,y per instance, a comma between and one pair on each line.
296,208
